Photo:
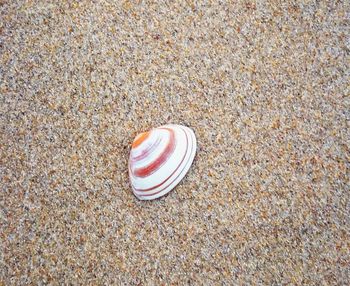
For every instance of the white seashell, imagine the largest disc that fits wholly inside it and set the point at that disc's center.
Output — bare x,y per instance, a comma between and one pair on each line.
159,159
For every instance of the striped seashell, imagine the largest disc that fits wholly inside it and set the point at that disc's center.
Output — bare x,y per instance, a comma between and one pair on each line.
159,159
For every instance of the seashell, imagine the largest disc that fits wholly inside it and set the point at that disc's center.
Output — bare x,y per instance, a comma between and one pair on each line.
159,160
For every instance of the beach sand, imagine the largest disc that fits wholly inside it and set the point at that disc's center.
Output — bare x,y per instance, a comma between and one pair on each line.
265,87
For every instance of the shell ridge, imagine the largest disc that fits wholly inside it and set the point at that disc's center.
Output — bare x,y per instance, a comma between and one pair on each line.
182,160
182,173
160,160
152,156
168,165
148,151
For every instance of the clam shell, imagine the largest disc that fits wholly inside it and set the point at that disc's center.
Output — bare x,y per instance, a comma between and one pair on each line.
159,160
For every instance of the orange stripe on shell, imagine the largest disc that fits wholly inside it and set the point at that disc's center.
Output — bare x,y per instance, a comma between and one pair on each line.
140,138
160,160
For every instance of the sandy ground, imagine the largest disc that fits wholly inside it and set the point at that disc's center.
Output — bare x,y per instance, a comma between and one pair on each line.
265,87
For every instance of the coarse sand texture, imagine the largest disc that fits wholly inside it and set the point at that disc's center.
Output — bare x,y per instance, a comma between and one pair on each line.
264,85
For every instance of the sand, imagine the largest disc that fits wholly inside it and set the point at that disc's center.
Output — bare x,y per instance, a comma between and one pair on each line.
264,86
